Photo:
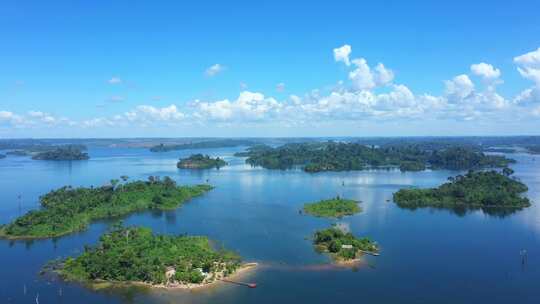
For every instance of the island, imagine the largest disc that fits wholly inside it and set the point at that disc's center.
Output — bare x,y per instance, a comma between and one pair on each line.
484,190
209,144
337,156
343,246
135,255
67,210
199,161
2,156
332,208
68,152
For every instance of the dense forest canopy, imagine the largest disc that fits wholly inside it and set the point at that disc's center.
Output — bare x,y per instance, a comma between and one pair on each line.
137,255
342,245
474,190
68,209
199,161
331,156
222,143
68,152
332,208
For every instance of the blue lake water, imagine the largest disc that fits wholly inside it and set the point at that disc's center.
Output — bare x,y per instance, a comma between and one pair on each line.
427,256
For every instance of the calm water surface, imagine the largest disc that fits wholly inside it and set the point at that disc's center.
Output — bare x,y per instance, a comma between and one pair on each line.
427,256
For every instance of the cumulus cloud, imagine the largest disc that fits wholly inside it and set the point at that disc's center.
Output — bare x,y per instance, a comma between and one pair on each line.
249,106
486,71
115,80
214,70
342,54
364,78
529,66
459,87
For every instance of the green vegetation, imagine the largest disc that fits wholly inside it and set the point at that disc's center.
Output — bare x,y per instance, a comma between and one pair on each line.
222,143
333,208
474,190
68,152
331,156
137,255
199,161
342,246
68,209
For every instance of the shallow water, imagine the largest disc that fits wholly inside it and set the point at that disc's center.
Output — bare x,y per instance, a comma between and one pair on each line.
427,256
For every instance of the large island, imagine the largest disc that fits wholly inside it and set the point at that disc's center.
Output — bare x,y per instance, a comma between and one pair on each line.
343,246
332,208
332,156
199,161
490,191
136,255
68,209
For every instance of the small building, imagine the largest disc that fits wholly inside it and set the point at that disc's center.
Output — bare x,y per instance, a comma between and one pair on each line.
170,272
346,246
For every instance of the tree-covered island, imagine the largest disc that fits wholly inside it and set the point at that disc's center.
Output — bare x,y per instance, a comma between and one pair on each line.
343,246
332,156
490,191
67,210
68,152
332,208
199,161
136,255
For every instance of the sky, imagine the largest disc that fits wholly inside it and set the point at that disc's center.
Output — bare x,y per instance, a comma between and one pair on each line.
268,68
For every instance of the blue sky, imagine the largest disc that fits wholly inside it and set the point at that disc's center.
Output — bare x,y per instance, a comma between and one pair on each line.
268,68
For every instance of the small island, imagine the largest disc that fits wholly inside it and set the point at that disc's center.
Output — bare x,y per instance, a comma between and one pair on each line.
67,210
332,208
474,190
69,152
135,255
343,246
199,161
2,156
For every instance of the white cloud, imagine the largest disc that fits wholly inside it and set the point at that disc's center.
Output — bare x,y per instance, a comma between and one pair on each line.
529,66
486,71
361,77
214,70
280,87
382,75
150,113
248,106
459,87
342,54
115,80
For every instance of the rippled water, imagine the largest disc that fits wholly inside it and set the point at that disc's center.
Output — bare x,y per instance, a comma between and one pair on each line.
427,256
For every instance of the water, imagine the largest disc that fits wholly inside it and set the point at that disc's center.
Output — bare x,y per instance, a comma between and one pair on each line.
427,256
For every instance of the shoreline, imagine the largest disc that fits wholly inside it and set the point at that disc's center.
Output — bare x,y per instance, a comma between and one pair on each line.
190,286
